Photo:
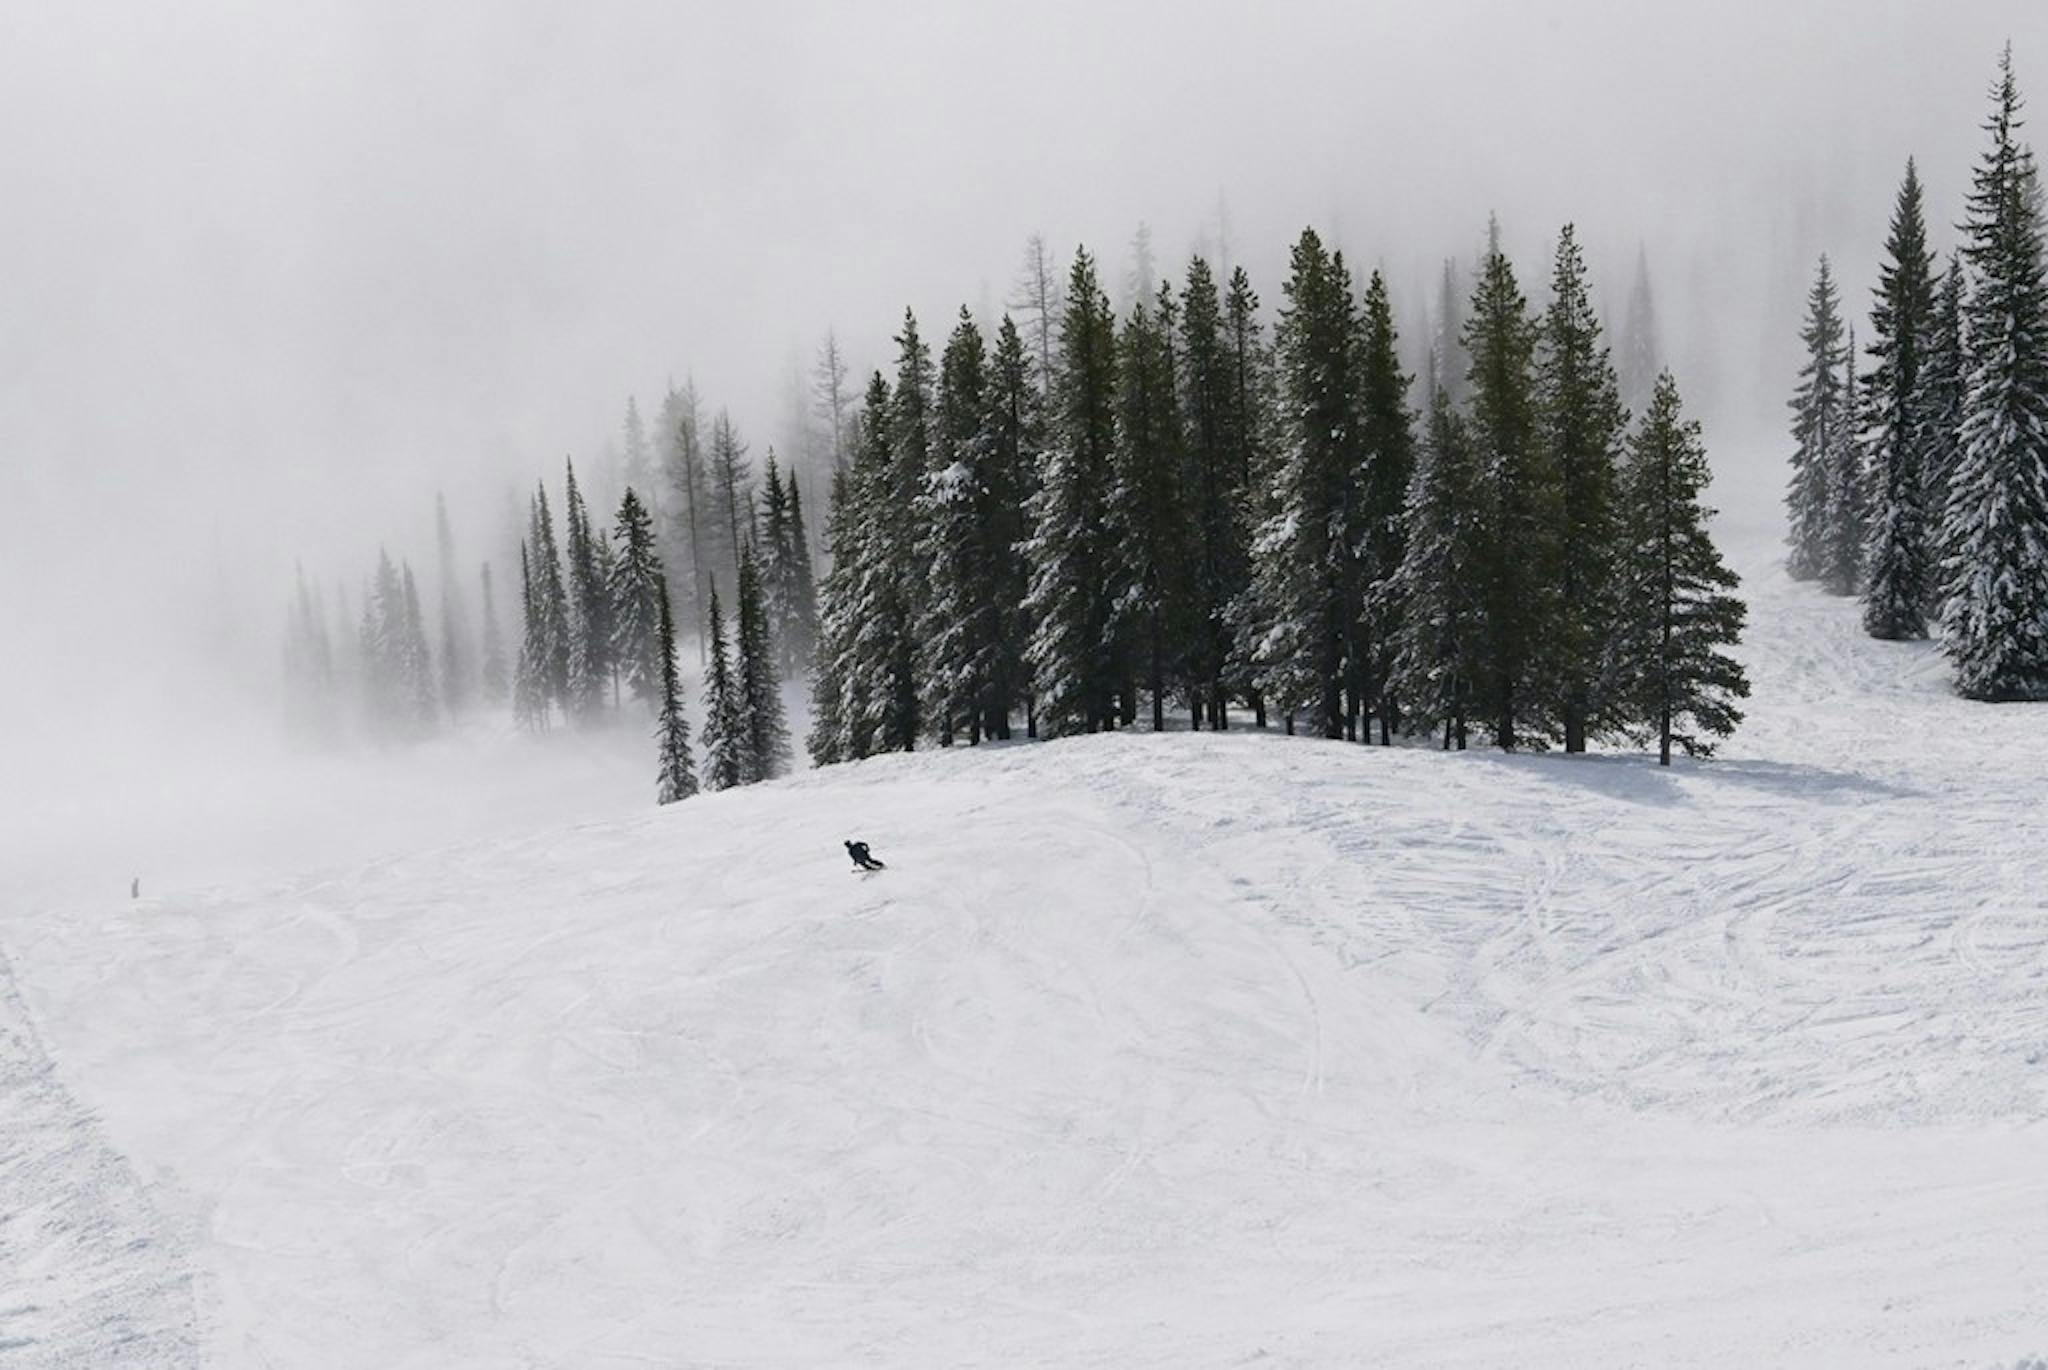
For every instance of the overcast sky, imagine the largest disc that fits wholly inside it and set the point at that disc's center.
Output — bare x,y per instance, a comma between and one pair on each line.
297,264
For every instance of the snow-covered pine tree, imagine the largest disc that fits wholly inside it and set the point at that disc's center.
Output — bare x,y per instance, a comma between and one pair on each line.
1995,624
677,777
551,603
770,534
1306,581
732,500
1249,445
832,710
1013,422
1819,413
800,634
1388,454
1438,656
1582,426
493,678
637,592
763,729
1073,566
1898,575
458,672
1677,612
725,735
869,612
1519,504
1215,484
956,631
589,609
1148,506
1848,507
1947,372
893,510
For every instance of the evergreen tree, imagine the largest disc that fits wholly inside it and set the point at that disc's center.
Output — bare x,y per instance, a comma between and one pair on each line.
1388,454
551,604
763,731
1995,623
1248,441
871,614
677,778
1148,507
1947,373
1582,426
731,498
831,403
638,595
1449,364
1898,572
682,508
589,623
1642,357
1439,652
1215,481
422,697
457,673
1074,580
636,462
494,677
956,634
1519,501
386,652
530,689
725,734
1819,414
1678,613
833,709
800,634
1848,503
771,534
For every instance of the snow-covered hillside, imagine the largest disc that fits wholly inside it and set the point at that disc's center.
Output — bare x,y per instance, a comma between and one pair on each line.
1145,1051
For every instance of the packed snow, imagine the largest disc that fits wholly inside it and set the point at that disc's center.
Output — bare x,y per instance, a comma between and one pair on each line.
1144,1051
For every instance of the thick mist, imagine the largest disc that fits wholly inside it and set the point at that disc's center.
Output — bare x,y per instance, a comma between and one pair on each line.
273,275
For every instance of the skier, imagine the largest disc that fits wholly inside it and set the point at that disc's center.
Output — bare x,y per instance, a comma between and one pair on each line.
859,852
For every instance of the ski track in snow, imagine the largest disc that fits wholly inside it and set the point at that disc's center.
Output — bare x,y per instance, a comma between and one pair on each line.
1143,1052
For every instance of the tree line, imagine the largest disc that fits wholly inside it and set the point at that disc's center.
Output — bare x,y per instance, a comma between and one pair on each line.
1171,512
1921,485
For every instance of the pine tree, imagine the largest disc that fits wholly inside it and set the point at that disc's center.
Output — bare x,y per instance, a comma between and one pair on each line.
422,697
1248,442
1449,364
589,622
1582,425
1520,504
870,614
832,709
1819,414
831,403
1215,480
1148,505
763,731
551,604
1898,573
1014,427
1035,300
1073,570
1848,499
725,738
636,462
771,535
1388,454
1678,613
1439,652
457,673
682,505
1642,356
677,778
386,650
637,592
800,632
1995,623
1947,373
494,677
731,498
530,690
956,633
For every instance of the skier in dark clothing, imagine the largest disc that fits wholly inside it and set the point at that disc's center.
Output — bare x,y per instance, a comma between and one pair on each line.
859,852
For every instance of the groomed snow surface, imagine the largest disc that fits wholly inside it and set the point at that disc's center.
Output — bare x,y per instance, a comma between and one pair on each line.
1145,1051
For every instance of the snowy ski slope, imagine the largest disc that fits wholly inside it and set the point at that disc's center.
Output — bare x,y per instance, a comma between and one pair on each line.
1180,1051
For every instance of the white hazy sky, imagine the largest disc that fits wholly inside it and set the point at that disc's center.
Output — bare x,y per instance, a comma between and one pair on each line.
286,267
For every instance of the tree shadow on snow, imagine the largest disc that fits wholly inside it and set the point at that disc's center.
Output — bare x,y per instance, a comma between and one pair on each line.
1635,778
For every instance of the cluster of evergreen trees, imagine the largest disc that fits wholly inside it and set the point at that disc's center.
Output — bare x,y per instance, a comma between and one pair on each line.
1169,510
1922,485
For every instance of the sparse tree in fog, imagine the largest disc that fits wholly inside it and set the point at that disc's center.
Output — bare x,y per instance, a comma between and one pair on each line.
1642,355
724,728
457,671
493,678
1678,610
1520,504
1438,653
1996,523
1898,574
678,776
1448,363
589,628
732,499
1845,528
1148,507
636,461
801,636
416,661
550,604
763,729
1073,559
1582,425
638,598
1141,276
830,400
682,508
1035,300
530,688
1820,411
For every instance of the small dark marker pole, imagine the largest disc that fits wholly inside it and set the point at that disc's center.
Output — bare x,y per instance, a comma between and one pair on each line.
135,888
